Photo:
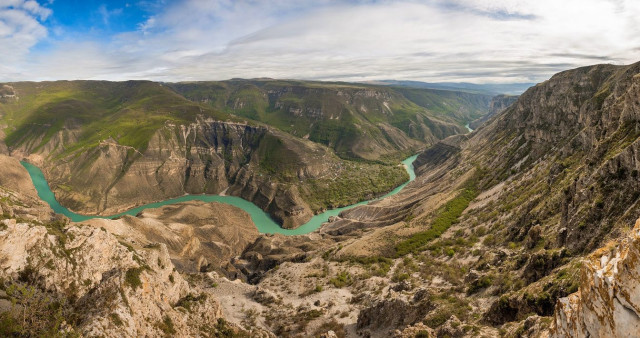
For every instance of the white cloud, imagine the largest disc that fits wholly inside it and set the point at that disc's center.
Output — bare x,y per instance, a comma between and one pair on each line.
436,40
20,29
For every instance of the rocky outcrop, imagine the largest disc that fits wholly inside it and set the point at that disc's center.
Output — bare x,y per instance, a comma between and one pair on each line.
118,291
607,303
268,251
18,197
199,236
394,312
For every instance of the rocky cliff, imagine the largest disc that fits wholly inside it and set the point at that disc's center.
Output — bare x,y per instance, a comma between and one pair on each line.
607,303
58,279
206,156
356,120
497,221
497,105
106,147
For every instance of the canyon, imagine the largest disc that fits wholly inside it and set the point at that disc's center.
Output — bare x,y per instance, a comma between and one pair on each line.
521,228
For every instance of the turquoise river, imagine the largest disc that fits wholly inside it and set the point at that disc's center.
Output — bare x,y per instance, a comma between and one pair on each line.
263,222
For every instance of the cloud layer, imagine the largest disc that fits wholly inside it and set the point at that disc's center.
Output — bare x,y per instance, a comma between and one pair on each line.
461,40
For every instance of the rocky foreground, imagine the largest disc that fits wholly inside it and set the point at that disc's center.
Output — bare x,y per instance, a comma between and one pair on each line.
608,301
58,278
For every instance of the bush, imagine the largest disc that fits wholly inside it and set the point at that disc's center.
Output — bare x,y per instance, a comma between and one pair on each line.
132,277
166,326
35,313
342,279
479,284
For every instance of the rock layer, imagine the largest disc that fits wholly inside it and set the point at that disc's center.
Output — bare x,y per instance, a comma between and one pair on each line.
107,280
608,301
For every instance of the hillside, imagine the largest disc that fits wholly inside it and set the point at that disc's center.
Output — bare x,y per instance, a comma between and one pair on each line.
108,146
492,232
356,120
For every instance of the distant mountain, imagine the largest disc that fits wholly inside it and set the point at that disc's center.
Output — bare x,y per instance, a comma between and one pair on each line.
497,88
358,121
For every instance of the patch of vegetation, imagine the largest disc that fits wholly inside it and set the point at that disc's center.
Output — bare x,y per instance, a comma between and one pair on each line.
447,216
115,318
36,313
447,305
481,283
353,182
331,325
250,318
343,279
377,265
222,329
166,326
189,300
128,112
132,277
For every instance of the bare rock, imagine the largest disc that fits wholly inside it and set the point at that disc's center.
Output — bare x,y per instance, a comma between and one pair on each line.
393,313
451,328
607,304
106,279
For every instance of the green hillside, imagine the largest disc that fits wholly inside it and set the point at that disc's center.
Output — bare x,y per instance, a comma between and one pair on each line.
128,112
356,120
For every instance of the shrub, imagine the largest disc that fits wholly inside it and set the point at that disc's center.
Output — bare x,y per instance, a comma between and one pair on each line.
132,277
479,284
35,313
342,279
166,326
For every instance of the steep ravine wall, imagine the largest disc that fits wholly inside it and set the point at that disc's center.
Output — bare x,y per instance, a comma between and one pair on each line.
607,303
206,156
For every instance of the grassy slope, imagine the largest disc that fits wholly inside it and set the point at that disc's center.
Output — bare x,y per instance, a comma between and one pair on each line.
462,107
129,112
338,115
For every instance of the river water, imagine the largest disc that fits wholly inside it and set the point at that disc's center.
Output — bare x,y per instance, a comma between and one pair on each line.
263,222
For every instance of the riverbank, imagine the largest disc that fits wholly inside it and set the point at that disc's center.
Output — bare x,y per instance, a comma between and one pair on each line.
262,220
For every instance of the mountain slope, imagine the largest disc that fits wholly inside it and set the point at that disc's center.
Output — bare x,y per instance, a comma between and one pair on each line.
356,120
108,146
497,222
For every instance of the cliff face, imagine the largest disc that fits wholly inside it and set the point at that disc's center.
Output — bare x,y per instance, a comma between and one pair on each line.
57,278
498,104
207,156
356,120
106,147
607,303
516,203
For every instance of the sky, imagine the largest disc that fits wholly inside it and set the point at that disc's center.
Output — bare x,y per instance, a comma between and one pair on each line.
478,41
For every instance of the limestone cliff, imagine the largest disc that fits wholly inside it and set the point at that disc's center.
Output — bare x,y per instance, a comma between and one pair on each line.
498,104
118,291
608,302
515,204
207,156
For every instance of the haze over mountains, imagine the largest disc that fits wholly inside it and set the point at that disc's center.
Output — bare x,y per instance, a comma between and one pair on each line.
495,89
